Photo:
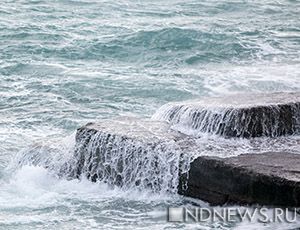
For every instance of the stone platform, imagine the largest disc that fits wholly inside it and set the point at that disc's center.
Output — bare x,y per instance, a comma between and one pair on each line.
262,178
258,164
241,115
265,178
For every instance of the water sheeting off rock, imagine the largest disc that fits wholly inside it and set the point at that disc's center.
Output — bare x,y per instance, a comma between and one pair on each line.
144,154
246,115
130,153
159,156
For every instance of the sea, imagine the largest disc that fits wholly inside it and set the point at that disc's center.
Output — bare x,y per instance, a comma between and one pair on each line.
64,63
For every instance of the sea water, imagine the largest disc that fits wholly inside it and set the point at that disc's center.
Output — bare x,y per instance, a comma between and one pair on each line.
65,63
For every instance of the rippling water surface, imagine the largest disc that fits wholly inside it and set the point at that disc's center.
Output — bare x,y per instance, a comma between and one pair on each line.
64,63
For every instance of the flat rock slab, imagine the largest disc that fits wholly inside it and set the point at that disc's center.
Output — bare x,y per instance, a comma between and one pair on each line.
140,153
267,178
130,153
135,128
242,115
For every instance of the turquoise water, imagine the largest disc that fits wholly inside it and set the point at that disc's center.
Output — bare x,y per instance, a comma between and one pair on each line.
65,63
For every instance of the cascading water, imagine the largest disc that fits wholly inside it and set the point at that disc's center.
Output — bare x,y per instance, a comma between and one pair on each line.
51,155
138,154
231,117
130,163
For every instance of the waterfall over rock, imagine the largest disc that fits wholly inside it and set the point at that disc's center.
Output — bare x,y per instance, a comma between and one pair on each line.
247,115
148,154
130,153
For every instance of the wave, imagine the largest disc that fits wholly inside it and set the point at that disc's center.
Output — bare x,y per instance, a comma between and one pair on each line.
185,46
154,47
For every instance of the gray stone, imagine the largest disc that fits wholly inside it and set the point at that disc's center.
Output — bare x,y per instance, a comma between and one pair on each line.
160,156
242,115
266,179
130,152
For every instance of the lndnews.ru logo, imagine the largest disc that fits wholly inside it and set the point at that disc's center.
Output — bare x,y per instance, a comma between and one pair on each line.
263,215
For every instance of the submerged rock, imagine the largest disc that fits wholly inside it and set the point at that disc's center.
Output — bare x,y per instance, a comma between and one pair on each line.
245,115
268,179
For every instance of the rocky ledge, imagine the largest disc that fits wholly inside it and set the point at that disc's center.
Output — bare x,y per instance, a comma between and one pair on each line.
242,115
271,178
130,152
160,156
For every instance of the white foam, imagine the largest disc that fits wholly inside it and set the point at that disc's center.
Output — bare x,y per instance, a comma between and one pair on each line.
36,187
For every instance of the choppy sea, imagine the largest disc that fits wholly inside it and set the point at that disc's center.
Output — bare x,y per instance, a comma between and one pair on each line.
64,63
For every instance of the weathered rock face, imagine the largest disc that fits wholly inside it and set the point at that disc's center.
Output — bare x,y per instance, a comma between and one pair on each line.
253,115
266,178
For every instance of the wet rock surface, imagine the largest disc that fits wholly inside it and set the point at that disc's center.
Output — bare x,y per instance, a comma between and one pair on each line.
130,152
245,115
166,154
271,178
